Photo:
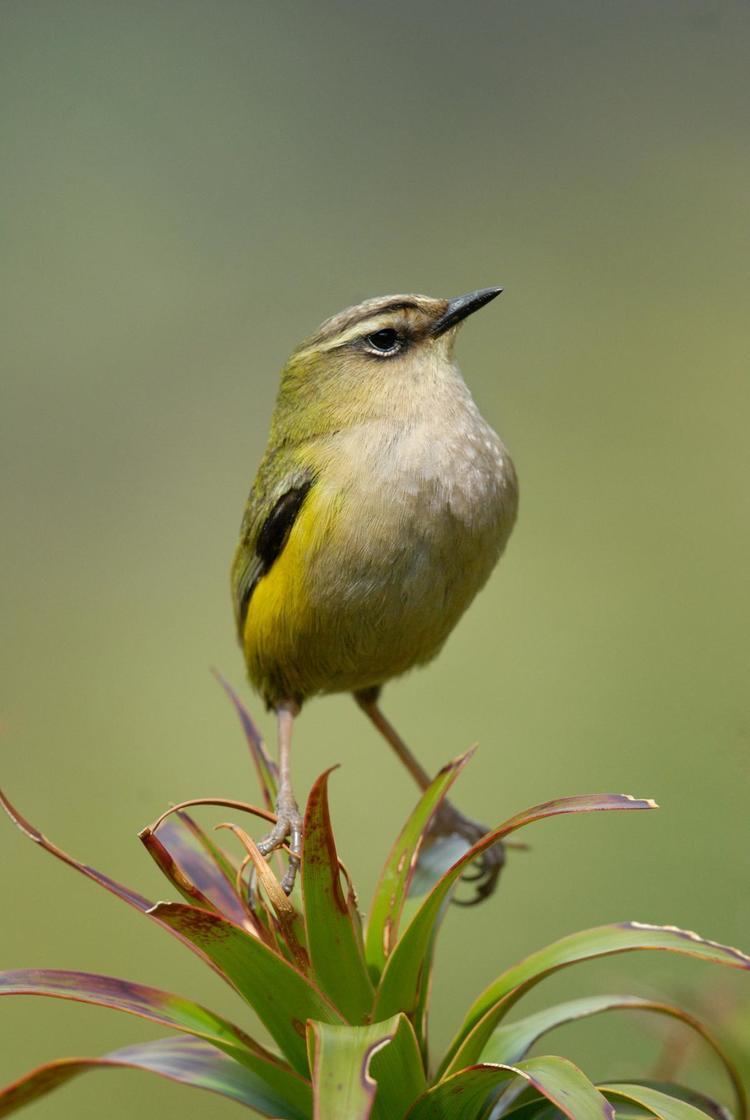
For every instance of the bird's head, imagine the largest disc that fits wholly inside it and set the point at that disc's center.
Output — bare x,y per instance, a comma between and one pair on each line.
376,356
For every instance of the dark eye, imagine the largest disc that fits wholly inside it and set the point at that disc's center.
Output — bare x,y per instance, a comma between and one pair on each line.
386,341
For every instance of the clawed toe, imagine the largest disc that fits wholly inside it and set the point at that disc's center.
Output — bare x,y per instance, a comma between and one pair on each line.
288,826
484,875
485,870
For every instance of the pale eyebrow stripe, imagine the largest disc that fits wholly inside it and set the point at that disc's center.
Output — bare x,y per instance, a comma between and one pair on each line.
368,313
362,326
371,321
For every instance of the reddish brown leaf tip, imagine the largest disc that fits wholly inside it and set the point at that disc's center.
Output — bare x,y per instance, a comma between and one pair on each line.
20,821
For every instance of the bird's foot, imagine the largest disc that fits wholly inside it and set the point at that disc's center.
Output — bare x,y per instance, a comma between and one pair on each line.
485,871
288,825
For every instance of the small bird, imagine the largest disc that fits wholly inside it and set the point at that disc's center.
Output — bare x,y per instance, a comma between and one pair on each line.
379,510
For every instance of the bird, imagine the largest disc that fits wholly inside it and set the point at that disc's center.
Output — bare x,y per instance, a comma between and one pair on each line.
380,507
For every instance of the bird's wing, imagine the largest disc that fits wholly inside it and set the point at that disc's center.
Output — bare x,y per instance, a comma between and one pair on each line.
272,508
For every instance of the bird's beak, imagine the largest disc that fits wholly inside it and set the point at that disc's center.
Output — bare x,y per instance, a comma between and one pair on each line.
462,306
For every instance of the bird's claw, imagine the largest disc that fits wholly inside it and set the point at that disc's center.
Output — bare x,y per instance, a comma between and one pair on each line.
485,870
288,825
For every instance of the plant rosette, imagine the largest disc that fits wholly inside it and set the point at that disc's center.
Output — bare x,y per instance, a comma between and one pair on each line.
345,1003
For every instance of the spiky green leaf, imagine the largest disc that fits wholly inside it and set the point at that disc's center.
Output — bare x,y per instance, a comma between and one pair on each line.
281,996
393,886
332,924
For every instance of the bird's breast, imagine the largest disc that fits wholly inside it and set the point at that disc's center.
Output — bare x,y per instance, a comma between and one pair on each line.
400,530
423,511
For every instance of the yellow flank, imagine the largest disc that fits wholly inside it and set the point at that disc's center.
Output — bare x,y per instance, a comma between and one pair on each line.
280,608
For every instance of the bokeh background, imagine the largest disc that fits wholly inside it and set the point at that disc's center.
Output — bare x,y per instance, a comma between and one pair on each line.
187,190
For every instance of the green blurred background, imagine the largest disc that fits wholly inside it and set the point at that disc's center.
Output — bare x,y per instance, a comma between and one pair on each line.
187,190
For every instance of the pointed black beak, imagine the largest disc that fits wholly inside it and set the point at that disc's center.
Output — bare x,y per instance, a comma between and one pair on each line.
462,306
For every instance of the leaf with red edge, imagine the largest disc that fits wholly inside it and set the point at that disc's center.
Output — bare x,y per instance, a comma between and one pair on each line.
123,892
196,875
265,767
164,1008
395,878
492,1005
282,997
463,1095
185,1060
213,870
131,897
408,967
333,931
209,846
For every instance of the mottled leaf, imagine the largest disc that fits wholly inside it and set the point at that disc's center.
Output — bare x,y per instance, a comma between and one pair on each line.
463,1095
347,1083
333,931
408,966
492,1005
281,996
393,886
185,1060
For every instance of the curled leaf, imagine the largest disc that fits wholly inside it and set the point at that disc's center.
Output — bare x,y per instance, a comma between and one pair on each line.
659,1104
511,1042
463,1095
362,1072
492,1005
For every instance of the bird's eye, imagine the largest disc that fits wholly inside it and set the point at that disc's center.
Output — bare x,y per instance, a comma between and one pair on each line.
387,341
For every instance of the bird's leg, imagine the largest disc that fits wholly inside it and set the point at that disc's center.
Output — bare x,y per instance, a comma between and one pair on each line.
368,702
448,821
288,817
